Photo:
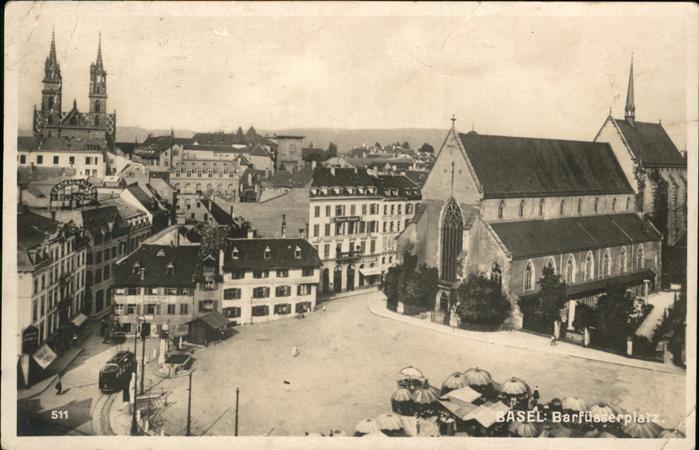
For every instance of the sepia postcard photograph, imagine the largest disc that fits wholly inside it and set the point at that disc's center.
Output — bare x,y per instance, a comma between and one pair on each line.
349,225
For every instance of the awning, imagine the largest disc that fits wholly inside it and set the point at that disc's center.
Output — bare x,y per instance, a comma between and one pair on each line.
44,356
370,271
460,410
599,286
79,319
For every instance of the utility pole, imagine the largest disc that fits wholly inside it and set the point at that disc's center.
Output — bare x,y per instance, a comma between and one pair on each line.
143,358
134,427
237,394
189,405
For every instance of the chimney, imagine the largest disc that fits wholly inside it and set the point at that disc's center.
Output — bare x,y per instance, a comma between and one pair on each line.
283,225
251,233
302,233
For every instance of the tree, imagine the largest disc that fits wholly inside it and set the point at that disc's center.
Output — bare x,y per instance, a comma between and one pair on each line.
614,318
552,295
481,301
406,145
426,148
585,317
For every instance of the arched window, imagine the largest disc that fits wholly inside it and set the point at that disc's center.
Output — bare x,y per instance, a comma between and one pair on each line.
551,264
521,208
579,206
496,273
529,276
596,204
628,202
570,270
614,204
97,106
563,206
452,239
589,267
622,260
541,207
97,121
501,209
605,264
639,256
50,103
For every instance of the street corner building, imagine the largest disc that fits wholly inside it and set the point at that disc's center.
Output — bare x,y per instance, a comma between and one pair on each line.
354,218
51,286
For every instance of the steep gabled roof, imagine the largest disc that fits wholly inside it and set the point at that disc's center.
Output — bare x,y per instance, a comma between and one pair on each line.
251,254
148,201
519,167
155,259
551,237
651,144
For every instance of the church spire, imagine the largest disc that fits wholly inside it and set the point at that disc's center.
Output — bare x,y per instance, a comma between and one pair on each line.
99,51
630,110
52,52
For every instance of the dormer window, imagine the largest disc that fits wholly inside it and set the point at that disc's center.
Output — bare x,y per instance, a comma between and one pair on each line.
235,253
268,253
337,190
136,269
350,190
314,191
161,253
325,191
297,252
372,190
361,190
170,269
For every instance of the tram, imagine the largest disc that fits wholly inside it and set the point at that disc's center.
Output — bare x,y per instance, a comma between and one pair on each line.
116,373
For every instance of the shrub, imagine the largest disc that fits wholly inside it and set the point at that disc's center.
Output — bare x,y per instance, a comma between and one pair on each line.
481,301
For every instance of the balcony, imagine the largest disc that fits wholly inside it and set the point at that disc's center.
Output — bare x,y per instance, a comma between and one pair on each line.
348,256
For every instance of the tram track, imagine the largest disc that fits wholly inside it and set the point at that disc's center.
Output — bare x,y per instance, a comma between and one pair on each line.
100,415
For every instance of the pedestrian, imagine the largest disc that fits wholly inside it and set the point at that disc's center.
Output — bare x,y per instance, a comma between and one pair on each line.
295,351
59,386
75,339
535,394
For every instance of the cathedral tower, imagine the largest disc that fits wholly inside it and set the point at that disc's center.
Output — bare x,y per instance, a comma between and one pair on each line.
630,109
51,93
98,83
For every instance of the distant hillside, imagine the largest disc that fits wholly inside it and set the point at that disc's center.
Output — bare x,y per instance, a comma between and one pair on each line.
347,139
320,137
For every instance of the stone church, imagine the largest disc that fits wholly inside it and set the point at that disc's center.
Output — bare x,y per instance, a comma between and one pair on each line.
506,207
51,121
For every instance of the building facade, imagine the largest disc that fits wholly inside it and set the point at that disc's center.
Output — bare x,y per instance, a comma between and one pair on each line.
51,266
354,217
289,152
564,204
267,279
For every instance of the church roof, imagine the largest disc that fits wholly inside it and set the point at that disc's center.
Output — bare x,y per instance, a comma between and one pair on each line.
651,144
525,167
550,237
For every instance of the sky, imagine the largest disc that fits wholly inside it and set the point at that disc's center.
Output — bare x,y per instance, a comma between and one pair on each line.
538,70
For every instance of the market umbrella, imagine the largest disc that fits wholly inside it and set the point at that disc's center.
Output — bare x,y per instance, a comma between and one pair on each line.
389,422
524,429
401,401
455,381
434,390
602,411
367,426
643,430
676,434
515,386
425,400
477,377
575,404
411,372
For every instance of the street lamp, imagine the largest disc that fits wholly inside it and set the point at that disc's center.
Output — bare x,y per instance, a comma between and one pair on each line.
134,426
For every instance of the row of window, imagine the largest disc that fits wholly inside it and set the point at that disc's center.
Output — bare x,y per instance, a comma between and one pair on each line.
57,160
153,291
234,312
280,273
346,228
264,292
151,308
372,208
588,268
562,206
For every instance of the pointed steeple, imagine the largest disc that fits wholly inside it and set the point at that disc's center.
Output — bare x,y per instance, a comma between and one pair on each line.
630,109
52,52
99,51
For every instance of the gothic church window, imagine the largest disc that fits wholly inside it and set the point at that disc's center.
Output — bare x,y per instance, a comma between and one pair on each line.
521,209
529,276
570,270
501,208
622,261
589,267
541,207
579,206
452,239
563,206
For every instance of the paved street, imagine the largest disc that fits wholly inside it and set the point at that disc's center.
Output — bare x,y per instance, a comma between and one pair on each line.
347,368
74,410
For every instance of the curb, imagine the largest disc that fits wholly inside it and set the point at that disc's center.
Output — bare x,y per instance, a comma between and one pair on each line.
447,330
